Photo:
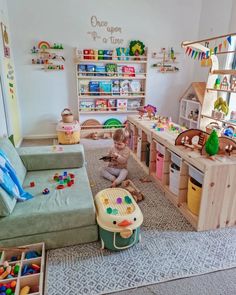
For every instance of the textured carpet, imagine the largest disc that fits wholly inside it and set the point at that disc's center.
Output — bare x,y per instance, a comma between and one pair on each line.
170,248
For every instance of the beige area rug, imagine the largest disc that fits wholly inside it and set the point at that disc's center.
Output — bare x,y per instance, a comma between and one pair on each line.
170,248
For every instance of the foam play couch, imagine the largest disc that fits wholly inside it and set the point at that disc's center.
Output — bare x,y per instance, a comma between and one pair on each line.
62,217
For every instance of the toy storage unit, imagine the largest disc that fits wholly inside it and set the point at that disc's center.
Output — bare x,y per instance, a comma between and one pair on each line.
194,190
119,219
32,282
175,173
68,133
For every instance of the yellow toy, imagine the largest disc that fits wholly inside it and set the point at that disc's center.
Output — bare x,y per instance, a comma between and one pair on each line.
25,290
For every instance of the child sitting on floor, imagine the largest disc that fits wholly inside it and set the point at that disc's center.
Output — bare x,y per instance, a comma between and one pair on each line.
116,171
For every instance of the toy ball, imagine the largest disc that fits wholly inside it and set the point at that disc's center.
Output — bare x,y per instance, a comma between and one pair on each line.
119,200
228,132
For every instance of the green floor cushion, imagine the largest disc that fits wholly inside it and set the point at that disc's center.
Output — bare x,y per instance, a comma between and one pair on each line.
52,157
71,207
7,203
13,157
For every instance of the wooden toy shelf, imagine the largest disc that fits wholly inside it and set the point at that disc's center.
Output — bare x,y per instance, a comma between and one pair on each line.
218,195
34,281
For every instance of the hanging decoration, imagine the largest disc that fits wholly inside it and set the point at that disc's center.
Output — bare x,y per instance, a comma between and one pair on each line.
204,57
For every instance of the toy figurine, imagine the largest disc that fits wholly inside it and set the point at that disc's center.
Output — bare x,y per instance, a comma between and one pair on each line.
141,112
151,110
233,84
217,83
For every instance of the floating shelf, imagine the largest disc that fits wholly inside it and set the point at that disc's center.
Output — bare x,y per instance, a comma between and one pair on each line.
110,96
107,112
111,78
220,90
223,72
222,121
79,61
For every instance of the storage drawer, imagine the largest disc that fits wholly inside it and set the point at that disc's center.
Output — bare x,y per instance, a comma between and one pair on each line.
160,148
195,173
176,159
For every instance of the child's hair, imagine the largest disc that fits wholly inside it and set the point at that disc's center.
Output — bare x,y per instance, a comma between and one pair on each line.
121,135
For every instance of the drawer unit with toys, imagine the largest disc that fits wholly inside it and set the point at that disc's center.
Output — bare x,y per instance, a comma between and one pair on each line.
119,219
22,269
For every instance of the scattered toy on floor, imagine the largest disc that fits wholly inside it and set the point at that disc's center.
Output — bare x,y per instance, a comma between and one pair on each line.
135,192
145,179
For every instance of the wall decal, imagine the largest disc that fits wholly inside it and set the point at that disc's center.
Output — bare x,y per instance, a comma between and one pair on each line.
5,39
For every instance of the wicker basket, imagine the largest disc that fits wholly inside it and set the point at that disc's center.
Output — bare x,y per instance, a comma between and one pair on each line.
213,125
67,116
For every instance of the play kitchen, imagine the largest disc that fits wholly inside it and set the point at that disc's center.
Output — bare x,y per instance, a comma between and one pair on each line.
200,187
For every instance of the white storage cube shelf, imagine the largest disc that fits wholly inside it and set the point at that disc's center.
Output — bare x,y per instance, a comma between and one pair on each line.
195,174
176,159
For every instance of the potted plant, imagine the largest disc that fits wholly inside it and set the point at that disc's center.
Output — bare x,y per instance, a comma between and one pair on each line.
221,109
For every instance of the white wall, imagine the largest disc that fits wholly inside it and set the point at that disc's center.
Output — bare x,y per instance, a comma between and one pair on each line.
158,23
215,21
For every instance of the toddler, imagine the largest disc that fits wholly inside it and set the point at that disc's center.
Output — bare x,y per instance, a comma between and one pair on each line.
116,171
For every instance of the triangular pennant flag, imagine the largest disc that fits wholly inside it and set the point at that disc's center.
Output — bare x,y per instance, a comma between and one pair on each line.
229,40
200,55
211,52
215,50
225,43
193,53
190,50
220,46
187,49
207,54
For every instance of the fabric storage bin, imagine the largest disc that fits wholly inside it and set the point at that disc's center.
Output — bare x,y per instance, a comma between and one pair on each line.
194,195
174,178
147,158
160,148
176,159
68,133
159,165
119,219
194,189
139,147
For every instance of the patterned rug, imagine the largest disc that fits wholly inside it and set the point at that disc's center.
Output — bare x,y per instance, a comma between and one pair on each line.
170,248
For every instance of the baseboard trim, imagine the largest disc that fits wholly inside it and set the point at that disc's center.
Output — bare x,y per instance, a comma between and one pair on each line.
40,136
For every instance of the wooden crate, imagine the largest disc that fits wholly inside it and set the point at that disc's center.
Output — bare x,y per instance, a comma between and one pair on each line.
34,281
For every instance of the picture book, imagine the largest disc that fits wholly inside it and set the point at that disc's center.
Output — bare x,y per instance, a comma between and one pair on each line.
111,69
111,104
87,106
116,87
90,70
122,104
100,71
124,87
135,87
82,69
105,87
94,88
101,105
84,87
128,71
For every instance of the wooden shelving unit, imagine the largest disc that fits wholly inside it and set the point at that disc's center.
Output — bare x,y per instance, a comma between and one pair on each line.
118,101
34,281
218,202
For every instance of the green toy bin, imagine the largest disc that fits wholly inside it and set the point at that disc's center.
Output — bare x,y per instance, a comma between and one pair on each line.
119,219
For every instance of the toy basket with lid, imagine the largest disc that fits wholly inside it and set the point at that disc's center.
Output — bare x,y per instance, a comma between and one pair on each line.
119,219
68,133
67,116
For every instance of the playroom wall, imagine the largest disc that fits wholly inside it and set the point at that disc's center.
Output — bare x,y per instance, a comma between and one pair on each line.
9,105
158,23
217,18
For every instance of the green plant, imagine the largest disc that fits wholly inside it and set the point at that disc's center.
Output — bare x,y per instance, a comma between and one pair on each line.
212,144
221,105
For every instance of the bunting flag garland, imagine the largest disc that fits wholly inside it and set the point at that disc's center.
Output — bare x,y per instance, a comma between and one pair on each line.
205,55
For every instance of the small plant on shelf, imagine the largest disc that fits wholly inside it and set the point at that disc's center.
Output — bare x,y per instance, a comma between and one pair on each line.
221,109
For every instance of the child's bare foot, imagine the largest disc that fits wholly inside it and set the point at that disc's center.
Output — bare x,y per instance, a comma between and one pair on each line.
113,184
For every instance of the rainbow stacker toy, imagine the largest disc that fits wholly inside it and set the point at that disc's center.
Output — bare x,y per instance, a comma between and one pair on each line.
119,219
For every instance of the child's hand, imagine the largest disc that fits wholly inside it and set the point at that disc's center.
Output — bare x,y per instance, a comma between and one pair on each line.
114,156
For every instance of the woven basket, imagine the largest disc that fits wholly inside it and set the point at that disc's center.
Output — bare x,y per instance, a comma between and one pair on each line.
67,116
211,126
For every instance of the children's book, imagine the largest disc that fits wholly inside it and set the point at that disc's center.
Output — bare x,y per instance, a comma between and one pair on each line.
87,106
116,87
90,70
111,104
122,104
128,71
82,69
135,87
124,87
84,87
94,88
100,71
101,104
105,87
111,69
